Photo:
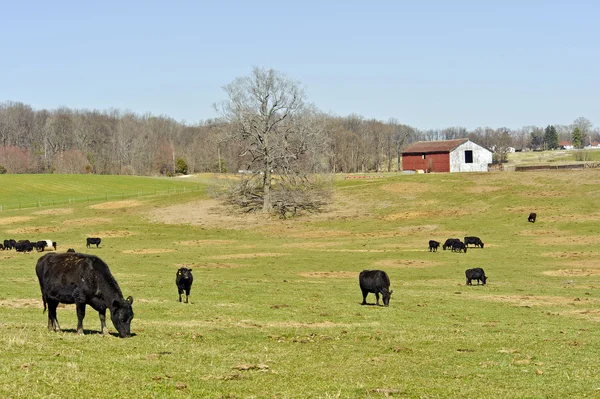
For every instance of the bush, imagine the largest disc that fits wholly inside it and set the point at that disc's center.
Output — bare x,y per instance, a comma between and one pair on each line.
181,166
2,170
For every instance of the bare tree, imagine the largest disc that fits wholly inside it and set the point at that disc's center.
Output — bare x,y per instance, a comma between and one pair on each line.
270,120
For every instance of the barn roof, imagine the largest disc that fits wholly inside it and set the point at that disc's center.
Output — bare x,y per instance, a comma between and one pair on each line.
421,147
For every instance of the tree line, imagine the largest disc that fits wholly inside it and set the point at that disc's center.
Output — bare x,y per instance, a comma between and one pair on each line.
113,141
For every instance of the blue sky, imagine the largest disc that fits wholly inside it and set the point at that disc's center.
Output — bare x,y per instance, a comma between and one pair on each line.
430,64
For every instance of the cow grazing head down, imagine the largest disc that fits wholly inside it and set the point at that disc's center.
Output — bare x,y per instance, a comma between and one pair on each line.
121,314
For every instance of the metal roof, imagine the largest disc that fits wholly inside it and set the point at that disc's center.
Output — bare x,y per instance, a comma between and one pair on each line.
422,147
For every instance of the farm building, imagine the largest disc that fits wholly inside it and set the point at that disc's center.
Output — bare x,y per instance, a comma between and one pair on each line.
460,155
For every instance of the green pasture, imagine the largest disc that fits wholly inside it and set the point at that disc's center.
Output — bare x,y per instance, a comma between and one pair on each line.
275,306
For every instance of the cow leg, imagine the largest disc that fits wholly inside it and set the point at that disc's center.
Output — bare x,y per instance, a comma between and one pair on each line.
102,314
180,292
377,297
187,295
80,315
364,294
52,320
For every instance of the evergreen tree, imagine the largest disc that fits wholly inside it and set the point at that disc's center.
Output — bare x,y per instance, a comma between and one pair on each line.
577,137
551,137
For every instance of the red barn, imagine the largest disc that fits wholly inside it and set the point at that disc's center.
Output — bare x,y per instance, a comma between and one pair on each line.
460,155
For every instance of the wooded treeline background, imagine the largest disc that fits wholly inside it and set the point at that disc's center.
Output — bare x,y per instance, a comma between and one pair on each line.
122,142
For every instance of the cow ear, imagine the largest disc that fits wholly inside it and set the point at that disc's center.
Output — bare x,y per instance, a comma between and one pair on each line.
391,292
129,299
179,272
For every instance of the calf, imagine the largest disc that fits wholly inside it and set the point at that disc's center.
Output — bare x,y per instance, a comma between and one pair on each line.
91,241
377,282
184,282
83,280
532,217
475,274
448,243
473,240
433,246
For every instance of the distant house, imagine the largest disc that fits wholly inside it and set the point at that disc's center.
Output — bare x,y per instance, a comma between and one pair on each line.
460,155
565,145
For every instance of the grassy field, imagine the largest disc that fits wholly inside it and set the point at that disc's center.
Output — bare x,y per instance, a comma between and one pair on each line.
275,307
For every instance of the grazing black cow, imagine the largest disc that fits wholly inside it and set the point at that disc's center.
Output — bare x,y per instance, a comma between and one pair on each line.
448,243
433,246
475,274
9,244
70,250
377,282
532,217
92,241
458,246
24,246
82,279
473,240
184,282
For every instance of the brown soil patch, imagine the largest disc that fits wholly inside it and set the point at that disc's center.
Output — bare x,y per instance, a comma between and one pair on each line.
572,272
249,256
406,188
533,300
569,240
21,303
405,263
117,204
112,234
58,211
34,230
405,215
205,242
330,274
86,221
147,251
15,219
570,255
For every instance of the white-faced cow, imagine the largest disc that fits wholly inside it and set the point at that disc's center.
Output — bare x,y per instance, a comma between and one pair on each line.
433,245
532,217
83,280
376,282
91,241
184,280
475,274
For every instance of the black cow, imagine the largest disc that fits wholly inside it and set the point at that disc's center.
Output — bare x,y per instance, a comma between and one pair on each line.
448,243
377,282
82,279
40,245
433,246
532,217
475,274
473,240
184,282
92,241
9,244
24,246
458,246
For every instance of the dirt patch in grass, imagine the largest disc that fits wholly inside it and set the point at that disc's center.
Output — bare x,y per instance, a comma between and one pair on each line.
533,300
535,233
58,211
15,219
405,263
309,245
86,221
572,272
211,265
311,233
573,255
406,188
249,256
147,251
407,215
18,303
569,240
34,230
526,210
573,218
117,204
112,234
204,242
330,274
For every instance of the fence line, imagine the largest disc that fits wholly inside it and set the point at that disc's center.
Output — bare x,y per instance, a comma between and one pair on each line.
40,203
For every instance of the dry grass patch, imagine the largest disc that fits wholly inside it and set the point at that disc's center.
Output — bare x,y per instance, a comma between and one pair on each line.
572,272
112,234
34,230
204,242
573,218
406,263
330,274
18,303
250,256
15,219
58,211
533,300
211,265
483,189
86,221
569,240
407,215
535,233
147,251
574,255
117,204
406,188
309,245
